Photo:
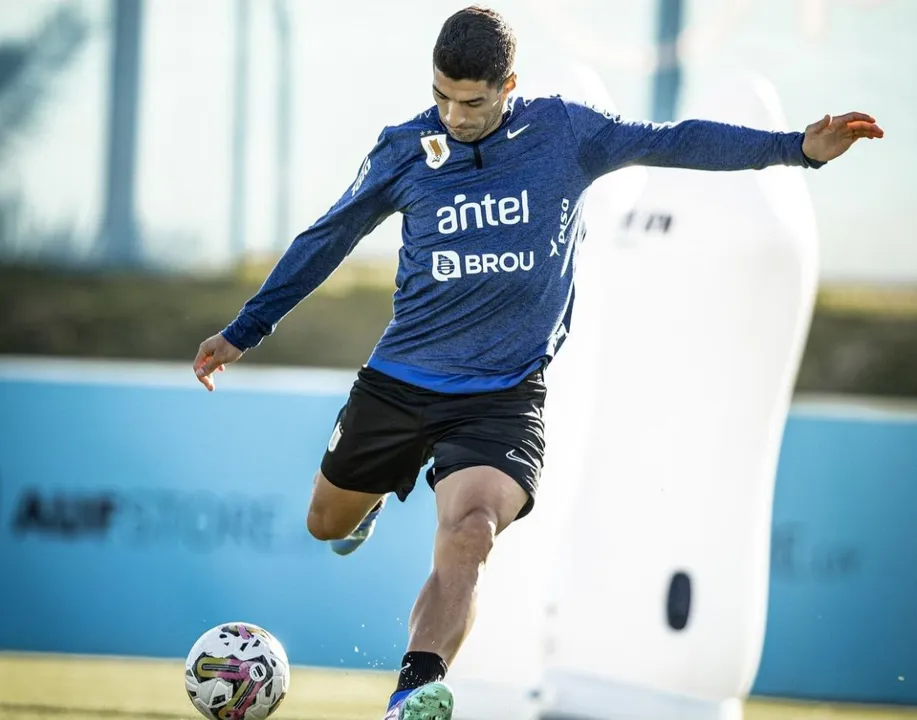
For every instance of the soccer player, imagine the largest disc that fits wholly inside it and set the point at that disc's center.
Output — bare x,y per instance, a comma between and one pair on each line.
491,188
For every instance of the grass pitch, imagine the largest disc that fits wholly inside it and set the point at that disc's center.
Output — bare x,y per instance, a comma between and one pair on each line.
37,687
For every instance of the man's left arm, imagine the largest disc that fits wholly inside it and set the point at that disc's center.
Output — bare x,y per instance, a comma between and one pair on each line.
608,142
701,145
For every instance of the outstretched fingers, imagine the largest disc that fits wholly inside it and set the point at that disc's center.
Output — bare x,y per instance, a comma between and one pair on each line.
862,129
853,117
860,125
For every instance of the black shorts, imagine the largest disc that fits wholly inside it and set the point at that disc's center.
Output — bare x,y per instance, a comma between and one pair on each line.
388,430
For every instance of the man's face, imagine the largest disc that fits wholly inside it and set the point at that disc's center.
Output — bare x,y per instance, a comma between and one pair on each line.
470,109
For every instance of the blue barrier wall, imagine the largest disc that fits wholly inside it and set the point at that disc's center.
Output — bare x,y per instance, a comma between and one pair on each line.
842,616
134,517
137,510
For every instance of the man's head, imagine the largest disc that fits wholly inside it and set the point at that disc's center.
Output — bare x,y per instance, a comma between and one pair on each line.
473,72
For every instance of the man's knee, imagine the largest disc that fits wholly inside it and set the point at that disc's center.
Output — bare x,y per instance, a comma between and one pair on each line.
323,525
334,513
471,536
322,521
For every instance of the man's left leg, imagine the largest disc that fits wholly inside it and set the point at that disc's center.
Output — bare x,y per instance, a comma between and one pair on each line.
488,453
474,505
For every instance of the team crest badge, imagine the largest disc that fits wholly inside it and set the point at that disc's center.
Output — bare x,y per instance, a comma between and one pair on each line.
437,150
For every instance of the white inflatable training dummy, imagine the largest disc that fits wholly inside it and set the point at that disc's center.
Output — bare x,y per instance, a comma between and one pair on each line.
661,583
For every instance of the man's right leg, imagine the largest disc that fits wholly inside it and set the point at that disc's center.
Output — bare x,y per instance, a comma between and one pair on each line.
375,448
335,513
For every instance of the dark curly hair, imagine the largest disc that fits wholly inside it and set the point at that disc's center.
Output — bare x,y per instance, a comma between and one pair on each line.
476,44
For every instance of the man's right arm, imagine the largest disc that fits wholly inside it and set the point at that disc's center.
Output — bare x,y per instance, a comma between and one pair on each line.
316,253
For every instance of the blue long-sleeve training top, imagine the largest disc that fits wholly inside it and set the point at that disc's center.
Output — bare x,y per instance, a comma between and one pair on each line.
484,287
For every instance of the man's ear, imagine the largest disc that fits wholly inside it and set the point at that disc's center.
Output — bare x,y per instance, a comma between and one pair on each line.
509,85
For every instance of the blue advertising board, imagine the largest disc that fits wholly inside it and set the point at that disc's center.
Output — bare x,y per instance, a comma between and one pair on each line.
841,615
135,516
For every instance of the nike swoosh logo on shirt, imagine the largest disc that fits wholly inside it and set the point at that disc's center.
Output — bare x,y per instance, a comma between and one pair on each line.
510,134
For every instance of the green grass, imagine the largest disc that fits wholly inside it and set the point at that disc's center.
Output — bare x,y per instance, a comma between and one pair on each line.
35,687
65,688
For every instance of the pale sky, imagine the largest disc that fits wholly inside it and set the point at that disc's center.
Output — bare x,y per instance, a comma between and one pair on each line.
358,67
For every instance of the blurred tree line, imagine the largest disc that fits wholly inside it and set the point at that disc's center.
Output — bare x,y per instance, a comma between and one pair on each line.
860,343
30,69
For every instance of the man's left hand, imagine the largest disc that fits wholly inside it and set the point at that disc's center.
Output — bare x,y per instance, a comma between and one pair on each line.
831,137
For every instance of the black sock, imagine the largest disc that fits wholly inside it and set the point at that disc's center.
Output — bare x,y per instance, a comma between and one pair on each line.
420,668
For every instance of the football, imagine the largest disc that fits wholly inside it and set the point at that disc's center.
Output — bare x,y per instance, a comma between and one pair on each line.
237,671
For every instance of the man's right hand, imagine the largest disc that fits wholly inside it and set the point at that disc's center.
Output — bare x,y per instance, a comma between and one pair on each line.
214,353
